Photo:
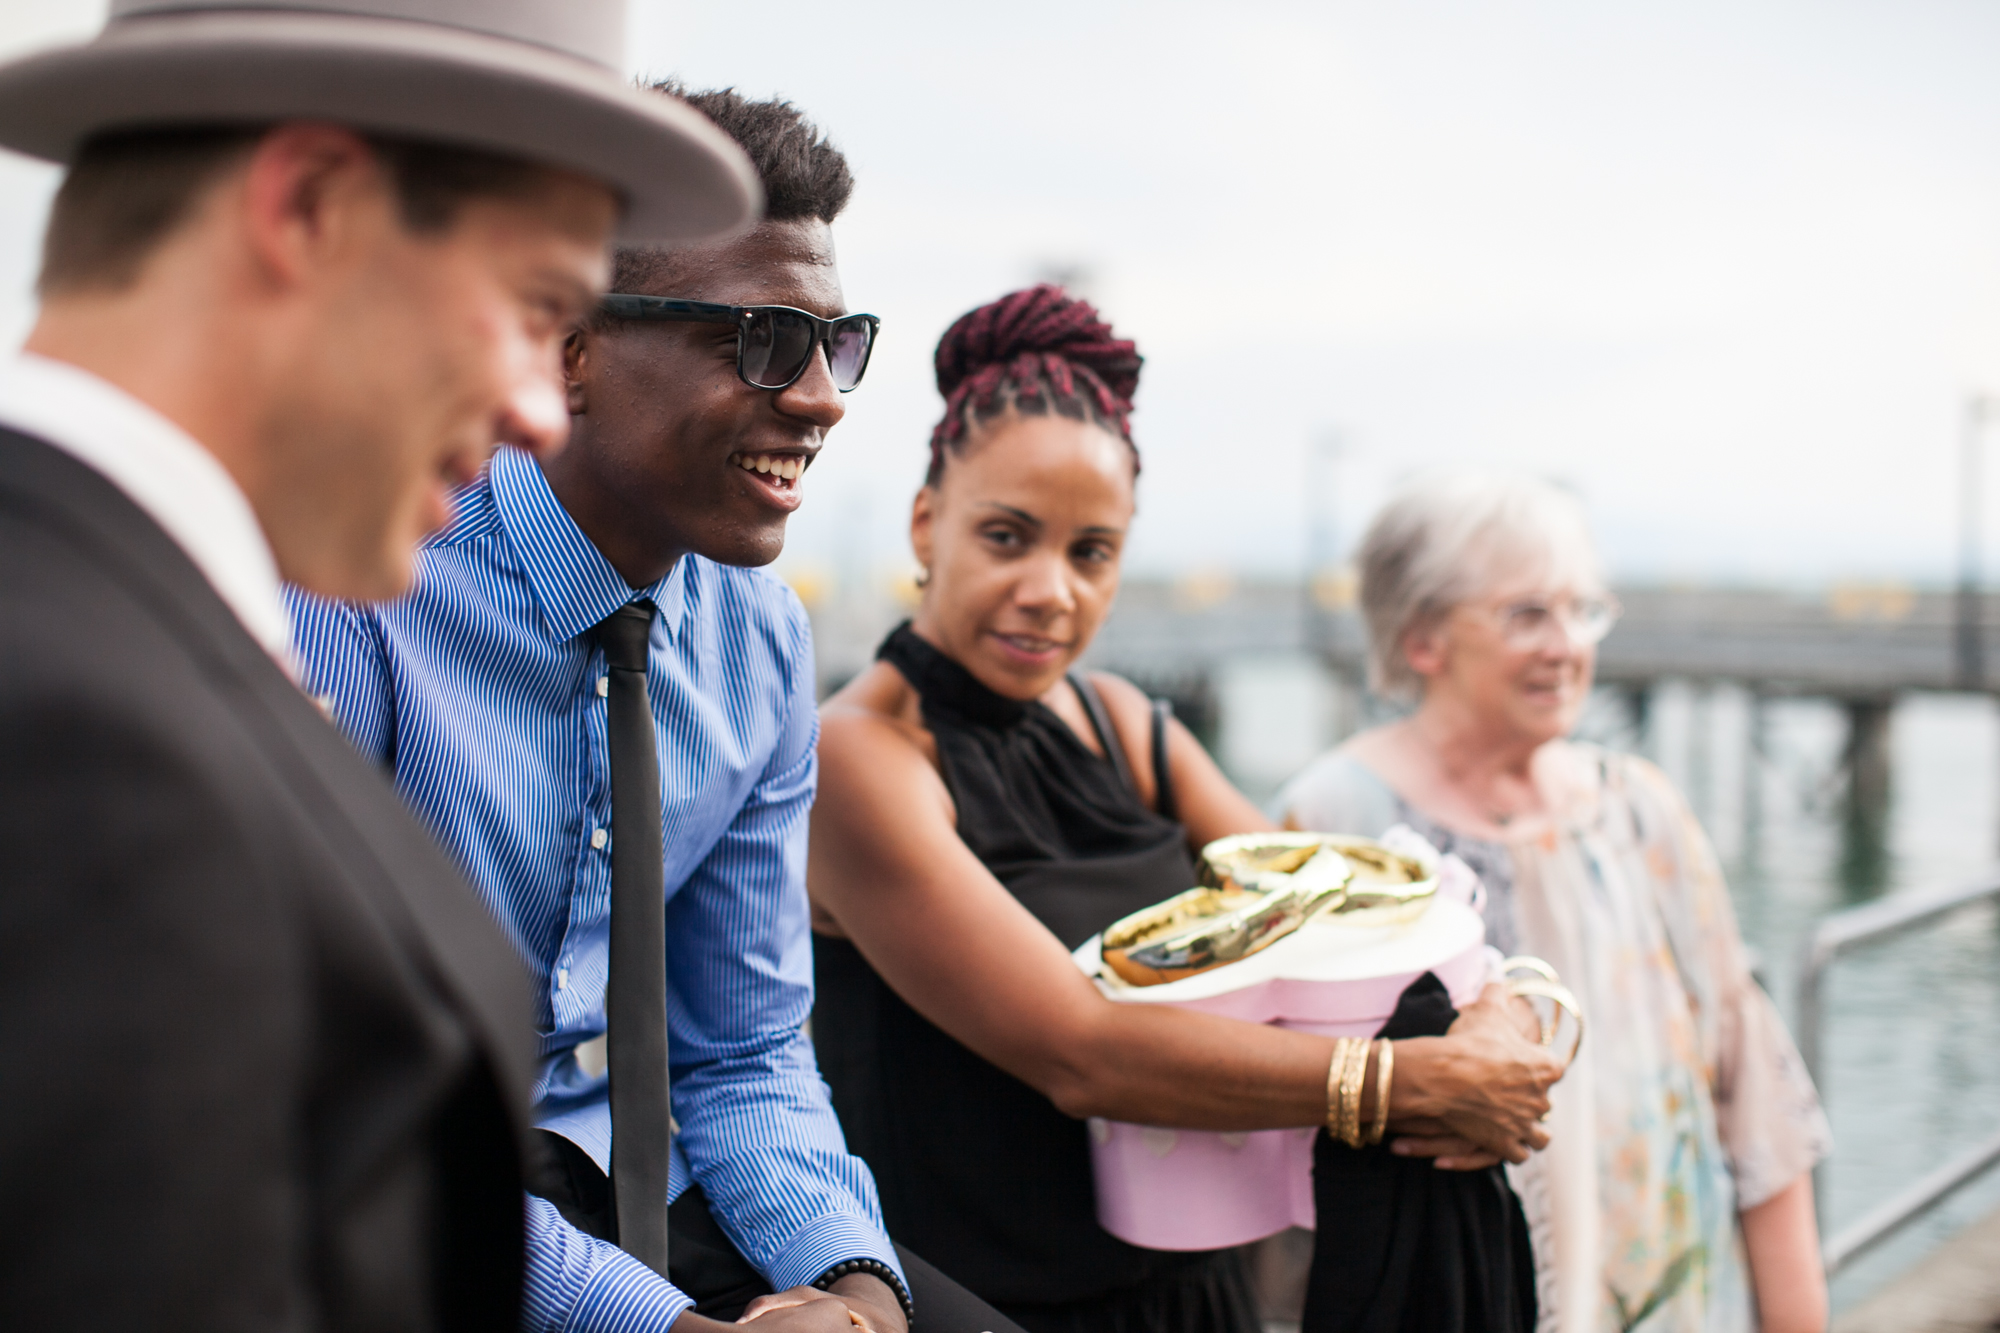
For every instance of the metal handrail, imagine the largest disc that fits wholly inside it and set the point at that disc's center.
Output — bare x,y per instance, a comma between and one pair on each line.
1886,1219
1842,933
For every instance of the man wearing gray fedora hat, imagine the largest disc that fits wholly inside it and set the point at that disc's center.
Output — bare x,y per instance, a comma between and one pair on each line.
311,263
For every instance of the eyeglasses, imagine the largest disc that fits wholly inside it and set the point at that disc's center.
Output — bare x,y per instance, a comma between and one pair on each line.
774,343
1584,620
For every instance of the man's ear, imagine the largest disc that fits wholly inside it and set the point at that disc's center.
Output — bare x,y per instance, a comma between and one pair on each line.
576,349
304,190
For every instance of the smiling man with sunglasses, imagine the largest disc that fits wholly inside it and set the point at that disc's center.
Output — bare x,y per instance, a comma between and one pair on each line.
606,712
702,414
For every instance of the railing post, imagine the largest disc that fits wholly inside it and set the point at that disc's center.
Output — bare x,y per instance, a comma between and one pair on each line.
1807,1021
1837,934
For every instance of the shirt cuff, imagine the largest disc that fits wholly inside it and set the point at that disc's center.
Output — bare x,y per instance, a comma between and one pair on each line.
625,1296
576,1283
829,1241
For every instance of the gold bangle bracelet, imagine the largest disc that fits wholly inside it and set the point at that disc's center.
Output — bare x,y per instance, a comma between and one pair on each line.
1522,962
1336,1077
1385,1063
1354,1120
1543,983
1336,1115
1560,997
1351,1083
1335,1067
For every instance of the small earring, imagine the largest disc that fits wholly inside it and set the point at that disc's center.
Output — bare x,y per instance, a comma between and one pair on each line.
923,577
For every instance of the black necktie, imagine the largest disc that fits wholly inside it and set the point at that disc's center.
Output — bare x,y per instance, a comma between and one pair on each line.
636,998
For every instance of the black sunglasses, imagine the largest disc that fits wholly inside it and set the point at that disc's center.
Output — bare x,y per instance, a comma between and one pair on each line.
774,343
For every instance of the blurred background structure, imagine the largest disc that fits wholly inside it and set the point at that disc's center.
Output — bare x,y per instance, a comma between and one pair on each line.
1730,271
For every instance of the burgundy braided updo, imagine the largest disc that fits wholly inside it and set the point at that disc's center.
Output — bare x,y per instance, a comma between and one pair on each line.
1035,351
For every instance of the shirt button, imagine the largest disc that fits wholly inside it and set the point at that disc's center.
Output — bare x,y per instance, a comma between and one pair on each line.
603,686
598,838
562,978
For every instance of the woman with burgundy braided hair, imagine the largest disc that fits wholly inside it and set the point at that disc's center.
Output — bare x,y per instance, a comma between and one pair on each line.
1035,346
982,811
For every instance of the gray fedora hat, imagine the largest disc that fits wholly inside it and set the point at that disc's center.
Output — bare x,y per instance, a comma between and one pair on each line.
536,78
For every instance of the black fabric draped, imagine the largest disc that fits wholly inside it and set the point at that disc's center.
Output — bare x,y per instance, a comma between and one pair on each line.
978,1171
1403,1247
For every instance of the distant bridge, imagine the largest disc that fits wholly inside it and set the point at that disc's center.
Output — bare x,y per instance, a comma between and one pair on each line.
1860,646
1852,643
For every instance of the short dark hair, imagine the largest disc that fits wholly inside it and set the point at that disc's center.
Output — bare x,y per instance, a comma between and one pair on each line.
126,191
804,175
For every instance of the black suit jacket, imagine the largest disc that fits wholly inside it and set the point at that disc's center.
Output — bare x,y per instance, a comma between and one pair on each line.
263,1054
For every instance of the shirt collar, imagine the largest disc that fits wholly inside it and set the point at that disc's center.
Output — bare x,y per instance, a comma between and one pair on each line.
575,585
163,470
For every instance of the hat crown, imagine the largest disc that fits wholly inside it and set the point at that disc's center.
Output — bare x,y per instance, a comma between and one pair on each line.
592,30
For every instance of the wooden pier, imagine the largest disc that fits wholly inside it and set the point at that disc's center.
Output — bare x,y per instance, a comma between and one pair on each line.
1860,646
1847,643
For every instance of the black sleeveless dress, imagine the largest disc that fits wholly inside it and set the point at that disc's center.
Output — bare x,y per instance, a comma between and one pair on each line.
979,1172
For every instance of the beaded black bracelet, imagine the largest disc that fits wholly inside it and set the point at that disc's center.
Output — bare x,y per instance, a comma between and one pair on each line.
872,1268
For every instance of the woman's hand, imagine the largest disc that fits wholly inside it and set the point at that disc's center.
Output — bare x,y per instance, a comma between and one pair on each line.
856,1301
1476,1095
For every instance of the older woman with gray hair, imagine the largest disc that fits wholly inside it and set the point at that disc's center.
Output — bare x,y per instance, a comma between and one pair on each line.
1677,1193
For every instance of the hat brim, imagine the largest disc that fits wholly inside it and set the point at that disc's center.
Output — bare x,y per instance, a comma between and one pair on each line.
682,178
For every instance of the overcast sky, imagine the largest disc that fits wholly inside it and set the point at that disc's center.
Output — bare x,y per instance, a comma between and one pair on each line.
1729,269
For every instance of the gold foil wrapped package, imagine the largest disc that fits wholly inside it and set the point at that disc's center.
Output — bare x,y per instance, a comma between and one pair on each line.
1256,889
1388,887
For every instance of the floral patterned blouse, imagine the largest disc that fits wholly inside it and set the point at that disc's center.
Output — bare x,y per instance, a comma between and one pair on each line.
1688,1101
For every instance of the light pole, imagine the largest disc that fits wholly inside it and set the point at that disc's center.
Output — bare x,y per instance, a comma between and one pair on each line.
1323,451
1319,592
1971,647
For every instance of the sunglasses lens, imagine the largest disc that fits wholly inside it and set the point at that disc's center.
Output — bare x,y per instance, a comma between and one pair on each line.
776,344
847,348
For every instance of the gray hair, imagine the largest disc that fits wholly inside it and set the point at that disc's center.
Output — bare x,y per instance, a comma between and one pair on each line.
1446,539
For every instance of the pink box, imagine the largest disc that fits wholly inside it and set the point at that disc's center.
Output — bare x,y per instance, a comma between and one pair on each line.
1168,1189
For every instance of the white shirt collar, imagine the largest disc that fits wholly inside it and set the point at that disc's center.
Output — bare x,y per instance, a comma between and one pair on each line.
165,472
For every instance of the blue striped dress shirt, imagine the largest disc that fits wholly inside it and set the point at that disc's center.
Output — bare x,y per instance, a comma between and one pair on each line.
485,694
